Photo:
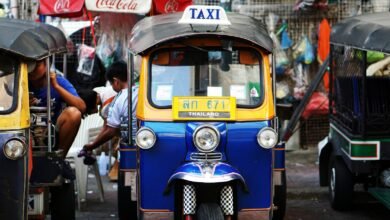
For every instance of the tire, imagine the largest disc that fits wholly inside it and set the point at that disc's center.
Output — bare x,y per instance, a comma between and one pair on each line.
280,199
127,209
340,185
62,204
209,211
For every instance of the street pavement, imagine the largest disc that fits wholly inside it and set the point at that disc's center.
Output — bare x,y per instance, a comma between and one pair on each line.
306,200
93,208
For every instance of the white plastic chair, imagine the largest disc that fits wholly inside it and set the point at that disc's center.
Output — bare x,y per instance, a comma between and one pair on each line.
92,134
83,136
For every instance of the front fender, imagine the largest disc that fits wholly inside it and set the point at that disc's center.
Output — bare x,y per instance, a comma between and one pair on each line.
324,153
202,172
13,182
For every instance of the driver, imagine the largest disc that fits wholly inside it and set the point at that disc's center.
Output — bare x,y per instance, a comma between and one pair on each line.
63,93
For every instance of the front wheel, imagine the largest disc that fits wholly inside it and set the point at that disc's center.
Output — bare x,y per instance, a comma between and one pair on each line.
62,203
340,184
209,211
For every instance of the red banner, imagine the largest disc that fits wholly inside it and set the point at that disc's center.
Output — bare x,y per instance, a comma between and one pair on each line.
61,8
170,6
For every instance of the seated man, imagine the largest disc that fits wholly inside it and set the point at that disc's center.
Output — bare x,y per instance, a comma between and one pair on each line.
67,120
118,110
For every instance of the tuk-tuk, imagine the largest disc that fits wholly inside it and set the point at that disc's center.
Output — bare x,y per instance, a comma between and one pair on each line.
357,149
30,166
206,129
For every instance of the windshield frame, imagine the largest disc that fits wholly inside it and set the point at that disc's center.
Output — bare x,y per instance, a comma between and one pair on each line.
210,48
15,97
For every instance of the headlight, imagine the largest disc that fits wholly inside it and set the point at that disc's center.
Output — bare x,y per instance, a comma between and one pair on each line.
267,138
145,138
206,138
14,149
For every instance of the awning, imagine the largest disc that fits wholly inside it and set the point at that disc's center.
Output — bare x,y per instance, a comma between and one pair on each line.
119,6
74,8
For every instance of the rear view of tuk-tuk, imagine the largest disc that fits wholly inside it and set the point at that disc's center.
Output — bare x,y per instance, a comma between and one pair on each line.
13,138
206,116
357,149
22,190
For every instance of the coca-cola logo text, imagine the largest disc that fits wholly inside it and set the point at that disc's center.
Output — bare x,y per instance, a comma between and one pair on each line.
171,6
117,4
61,6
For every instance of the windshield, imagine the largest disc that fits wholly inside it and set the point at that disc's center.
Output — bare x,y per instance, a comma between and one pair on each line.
201,72
7,82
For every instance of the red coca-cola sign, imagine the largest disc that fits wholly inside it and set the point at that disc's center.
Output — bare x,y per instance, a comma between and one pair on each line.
120,6
117,4
170,6
61,8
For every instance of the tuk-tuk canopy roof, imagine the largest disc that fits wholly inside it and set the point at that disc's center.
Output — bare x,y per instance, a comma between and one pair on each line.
369,32
154,30
30,39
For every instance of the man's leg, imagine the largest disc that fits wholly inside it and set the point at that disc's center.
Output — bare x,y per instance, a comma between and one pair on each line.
68,124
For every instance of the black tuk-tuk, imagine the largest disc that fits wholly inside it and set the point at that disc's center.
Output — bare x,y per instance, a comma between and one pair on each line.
357,149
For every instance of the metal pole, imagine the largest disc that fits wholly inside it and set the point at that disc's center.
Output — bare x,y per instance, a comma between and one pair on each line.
23,10
364,94
330,78
299,110
48,103
14,6
276,126
130,75
64,65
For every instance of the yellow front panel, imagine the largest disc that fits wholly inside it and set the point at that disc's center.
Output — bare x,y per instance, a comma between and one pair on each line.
264,112
20,118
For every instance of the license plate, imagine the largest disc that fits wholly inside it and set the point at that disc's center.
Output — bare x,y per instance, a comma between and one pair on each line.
35,204
204,108
131,180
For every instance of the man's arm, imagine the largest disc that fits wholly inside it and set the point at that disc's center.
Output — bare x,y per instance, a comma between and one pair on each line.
67,96
112,126
105,135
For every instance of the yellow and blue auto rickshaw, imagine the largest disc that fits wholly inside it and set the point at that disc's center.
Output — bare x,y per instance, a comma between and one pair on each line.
30,166
357,149
206,125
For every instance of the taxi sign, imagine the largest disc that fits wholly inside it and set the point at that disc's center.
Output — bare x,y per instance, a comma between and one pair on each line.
204,108
207,15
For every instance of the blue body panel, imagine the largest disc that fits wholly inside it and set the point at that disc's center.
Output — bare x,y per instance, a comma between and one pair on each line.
279,160
158,164
13,184
241,154
128,157
254,162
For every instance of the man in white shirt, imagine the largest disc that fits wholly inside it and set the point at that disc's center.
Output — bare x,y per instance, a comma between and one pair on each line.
117,112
